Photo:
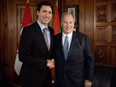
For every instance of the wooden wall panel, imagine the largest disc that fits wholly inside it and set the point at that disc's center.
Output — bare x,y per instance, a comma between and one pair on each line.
70,2
11,42
89,20
82,16
3,26
101,55
112,55
105,32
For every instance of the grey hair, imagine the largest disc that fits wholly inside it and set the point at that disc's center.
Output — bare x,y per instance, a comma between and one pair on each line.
66,13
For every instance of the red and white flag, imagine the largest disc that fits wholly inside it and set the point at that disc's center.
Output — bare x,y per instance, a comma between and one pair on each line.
26,21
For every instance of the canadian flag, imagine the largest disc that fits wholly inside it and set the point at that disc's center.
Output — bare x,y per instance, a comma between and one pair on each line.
26,21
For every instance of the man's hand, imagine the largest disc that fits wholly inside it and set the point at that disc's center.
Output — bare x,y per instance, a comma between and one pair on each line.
51,63
88,83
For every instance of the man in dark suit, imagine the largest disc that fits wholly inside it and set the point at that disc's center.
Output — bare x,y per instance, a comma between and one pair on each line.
35,49
74,62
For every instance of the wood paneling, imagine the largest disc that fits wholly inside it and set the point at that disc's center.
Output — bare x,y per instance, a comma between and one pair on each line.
70,2
89,22
82,16
105,32
2,30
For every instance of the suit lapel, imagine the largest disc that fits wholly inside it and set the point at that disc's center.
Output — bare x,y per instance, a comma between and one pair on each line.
40,35
60,42
60,45
51,37
73,42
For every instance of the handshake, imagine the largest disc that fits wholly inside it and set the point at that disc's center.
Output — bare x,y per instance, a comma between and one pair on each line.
50,63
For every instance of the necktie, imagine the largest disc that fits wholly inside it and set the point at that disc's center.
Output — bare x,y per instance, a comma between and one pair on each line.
65,47
45,33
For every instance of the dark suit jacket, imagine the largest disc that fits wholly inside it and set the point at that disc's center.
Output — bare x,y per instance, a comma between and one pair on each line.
33,53
79,64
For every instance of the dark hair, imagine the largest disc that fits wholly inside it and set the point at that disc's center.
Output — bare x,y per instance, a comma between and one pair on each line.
44,3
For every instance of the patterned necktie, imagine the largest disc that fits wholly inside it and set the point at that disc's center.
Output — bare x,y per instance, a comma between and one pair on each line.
45,33
65,47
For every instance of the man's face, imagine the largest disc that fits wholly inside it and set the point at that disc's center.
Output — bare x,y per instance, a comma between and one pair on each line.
67,24
45,14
